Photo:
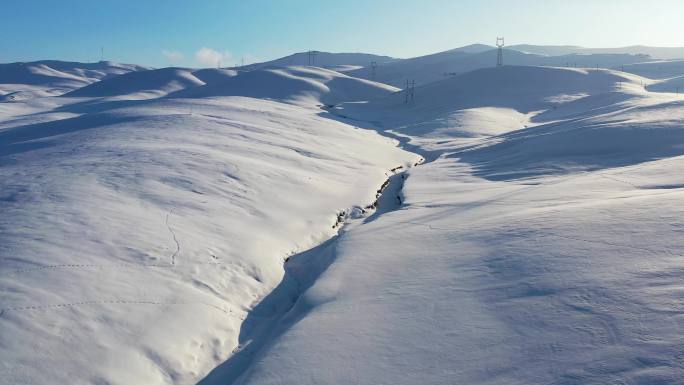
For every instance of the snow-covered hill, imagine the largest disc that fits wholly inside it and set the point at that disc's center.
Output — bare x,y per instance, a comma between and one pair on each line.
539,244
551,50
331,60
673,85
488,101
443,65
657,69
151,84
22,81
135,237
137,84
300,84
262,226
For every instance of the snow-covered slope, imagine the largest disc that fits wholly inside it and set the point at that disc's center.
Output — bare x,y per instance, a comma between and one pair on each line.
153,83
141,84
21,81
228,230
330,60
675,84
147,84
490,101
474,48
443,65
213,75
308,85
19,92
574,279
657,69
545,252
551,50
135,236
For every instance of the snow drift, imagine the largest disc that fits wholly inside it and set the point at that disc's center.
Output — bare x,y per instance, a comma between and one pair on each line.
136,235
447,64
656,69
145,241
329,60
141,84
542,252
294,84
53,77
490,100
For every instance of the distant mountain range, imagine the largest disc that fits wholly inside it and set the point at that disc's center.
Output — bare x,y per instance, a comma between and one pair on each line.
21,81
434,67
337,61
663,53
437,66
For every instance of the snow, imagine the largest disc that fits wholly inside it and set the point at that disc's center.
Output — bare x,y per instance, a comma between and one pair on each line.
571,279
654,52
542,254
447,64
488,101
330,60
298,84
297,225
158,82
675,84
658,70
136,235
53,77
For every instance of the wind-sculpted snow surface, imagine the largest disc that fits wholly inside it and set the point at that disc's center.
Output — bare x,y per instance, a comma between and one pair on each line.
152,84
135,236
550,50
671,85
330,60
157,82
22,81
663,69
564,280
145,241
546,252
302,85
494,101
445,65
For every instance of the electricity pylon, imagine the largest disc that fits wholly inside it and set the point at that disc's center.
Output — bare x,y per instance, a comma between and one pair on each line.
499,57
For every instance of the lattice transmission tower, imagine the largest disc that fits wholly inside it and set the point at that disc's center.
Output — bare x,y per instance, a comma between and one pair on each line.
311,58
499,56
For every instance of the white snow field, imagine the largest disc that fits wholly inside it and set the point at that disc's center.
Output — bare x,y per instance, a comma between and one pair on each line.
296,225
136,235
339,61
296,84
540,244
22,81
442,65
447,64
143,84
559,50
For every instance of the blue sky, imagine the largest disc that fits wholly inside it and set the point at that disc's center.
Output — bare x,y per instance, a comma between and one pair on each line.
197,33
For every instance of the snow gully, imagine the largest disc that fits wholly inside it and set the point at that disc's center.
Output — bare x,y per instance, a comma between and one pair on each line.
282,308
